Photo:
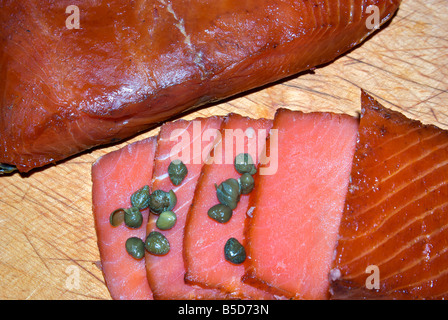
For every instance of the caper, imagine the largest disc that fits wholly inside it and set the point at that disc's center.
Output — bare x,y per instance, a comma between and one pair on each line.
234,251
166,220
140,198
160,201
156,243
133,218
220,213
177,172
245,164
228,193
135,247
7,168
117,217
247,183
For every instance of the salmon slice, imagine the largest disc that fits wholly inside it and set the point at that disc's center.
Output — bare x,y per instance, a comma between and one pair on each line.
132,64
205,238
393,237
190,141
296,211
116,176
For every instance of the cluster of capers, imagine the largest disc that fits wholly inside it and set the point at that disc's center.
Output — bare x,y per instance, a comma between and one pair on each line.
160,203
132,217
229,193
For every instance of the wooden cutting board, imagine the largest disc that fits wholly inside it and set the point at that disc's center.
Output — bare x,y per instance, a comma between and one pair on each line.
48,241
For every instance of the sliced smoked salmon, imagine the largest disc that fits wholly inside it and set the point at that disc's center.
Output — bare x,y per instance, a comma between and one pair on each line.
205,238
115,177
393,237
190,142
295,212
131,64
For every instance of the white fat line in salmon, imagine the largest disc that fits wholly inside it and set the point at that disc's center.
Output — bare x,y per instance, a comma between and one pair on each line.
222,148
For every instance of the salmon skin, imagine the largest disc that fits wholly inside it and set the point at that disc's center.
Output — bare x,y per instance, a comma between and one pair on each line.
191,142
115,177
132,64
205,238
393,237
296,210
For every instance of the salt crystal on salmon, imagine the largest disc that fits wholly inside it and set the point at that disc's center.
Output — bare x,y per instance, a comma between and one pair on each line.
205,238
190,142
393,238
115,177
297,210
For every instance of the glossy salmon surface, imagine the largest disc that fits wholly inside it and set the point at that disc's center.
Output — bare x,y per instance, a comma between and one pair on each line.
191,142
115,177
296,210
205,238
132,64
393,238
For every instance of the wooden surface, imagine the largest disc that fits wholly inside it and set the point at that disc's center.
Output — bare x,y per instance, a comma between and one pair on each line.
48,241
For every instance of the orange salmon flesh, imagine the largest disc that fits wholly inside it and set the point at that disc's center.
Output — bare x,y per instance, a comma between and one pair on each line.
205,238
334,196
115,177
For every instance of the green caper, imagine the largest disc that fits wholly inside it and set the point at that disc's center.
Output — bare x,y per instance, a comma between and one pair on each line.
220,213
117,217
156,243
166,220
234,251
244,164
135,247
228,193
177,172
7,168
160,201
140,198
133,218
247,183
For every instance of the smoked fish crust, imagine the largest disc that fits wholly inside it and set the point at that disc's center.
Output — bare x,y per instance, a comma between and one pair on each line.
393,236
134,64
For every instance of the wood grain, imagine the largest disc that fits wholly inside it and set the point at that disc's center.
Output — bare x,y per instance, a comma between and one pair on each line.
47,231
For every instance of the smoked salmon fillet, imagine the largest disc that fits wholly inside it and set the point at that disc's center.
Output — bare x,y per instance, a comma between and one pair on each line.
191,142
115,177
393,237
132,64
205,238
295,212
